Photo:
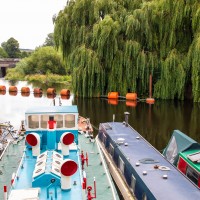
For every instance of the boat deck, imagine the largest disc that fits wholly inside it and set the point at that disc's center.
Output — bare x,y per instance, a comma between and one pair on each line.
28,166
96,168
9,164
159,177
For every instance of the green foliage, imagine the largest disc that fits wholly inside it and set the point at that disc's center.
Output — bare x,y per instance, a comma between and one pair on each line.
172,80
49,41
14,75
48,79
3,53
45,59
194,62
12,48
116,44
45,65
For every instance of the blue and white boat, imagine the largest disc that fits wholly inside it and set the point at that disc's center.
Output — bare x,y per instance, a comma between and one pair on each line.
145,172
53,165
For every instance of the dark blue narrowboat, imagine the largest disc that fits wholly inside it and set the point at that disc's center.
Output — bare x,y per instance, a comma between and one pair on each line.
143,170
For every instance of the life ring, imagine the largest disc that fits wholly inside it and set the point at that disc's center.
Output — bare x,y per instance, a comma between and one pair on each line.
163,168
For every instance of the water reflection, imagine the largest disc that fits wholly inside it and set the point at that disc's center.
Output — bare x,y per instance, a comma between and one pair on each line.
154,122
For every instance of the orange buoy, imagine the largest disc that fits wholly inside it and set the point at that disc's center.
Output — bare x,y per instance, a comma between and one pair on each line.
37,95
113,101
37,91
131,103
131,96
13,93
51,96
64,92
12,89
25,90
2,88
150,100
65,97
113,95
25,94
2,92
51,91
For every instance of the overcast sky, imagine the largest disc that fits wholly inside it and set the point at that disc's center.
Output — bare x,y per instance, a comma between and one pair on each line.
28,21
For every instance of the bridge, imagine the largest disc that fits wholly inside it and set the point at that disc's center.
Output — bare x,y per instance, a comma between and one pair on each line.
6,63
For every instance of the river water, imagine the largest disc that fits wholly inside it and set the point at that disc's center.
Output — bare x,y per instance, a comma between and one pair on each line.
154,122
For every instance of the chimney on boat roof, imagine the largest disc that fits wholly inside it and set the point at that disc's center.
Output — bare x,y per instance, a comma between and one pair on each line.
126,118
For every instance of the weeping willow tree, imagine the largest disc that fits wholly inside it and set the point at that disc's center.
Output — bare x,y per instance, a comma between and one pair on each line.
114,45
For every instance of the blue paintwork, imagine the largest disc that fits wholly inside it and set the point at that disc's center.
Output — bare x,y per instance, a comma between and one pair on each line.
48,182
176,186
25,178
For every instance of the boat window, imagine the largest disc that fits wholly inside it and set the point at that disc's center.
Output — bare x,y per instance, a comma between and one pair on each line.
111,150
44,120
121,165
192,175
70,121
33,121
59,121
133,182
172,151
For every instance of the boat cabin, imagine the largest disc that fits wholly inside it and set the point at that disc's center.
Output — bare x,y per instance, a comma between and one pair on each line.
184,152
189,164
58,118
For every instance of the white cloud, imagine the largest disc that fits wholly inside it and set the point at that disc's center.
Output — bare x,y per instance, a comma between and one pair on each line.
28,21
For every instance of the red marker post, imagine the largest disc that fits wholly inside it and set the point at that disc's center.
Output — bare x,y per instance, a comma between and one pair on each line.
5,195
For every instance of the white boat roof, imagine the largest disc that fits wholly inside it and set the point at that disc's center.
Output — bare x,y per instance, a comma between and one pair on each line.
21,194
52,109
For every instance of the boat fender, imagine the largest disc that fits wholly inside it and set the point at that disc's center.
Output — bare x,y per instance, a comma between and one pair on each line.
67,169
66,139
33,139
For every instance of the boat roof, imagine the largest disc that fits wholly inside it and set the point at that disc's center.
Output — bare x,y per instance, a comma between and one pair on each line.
52,109
136,149
179,142
192,156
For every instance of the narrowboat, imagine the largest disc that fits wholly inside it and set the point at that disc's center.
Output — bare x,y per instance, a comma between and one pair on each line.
58,162
184,152
146,174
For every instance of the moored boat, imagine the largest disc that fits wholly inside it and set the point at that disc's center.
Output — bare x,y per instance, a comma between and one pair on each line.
184,152
138,168
55,158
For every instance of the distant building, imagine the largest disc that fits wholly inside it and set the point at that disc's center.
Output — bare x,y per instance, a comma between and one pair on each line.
6,63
